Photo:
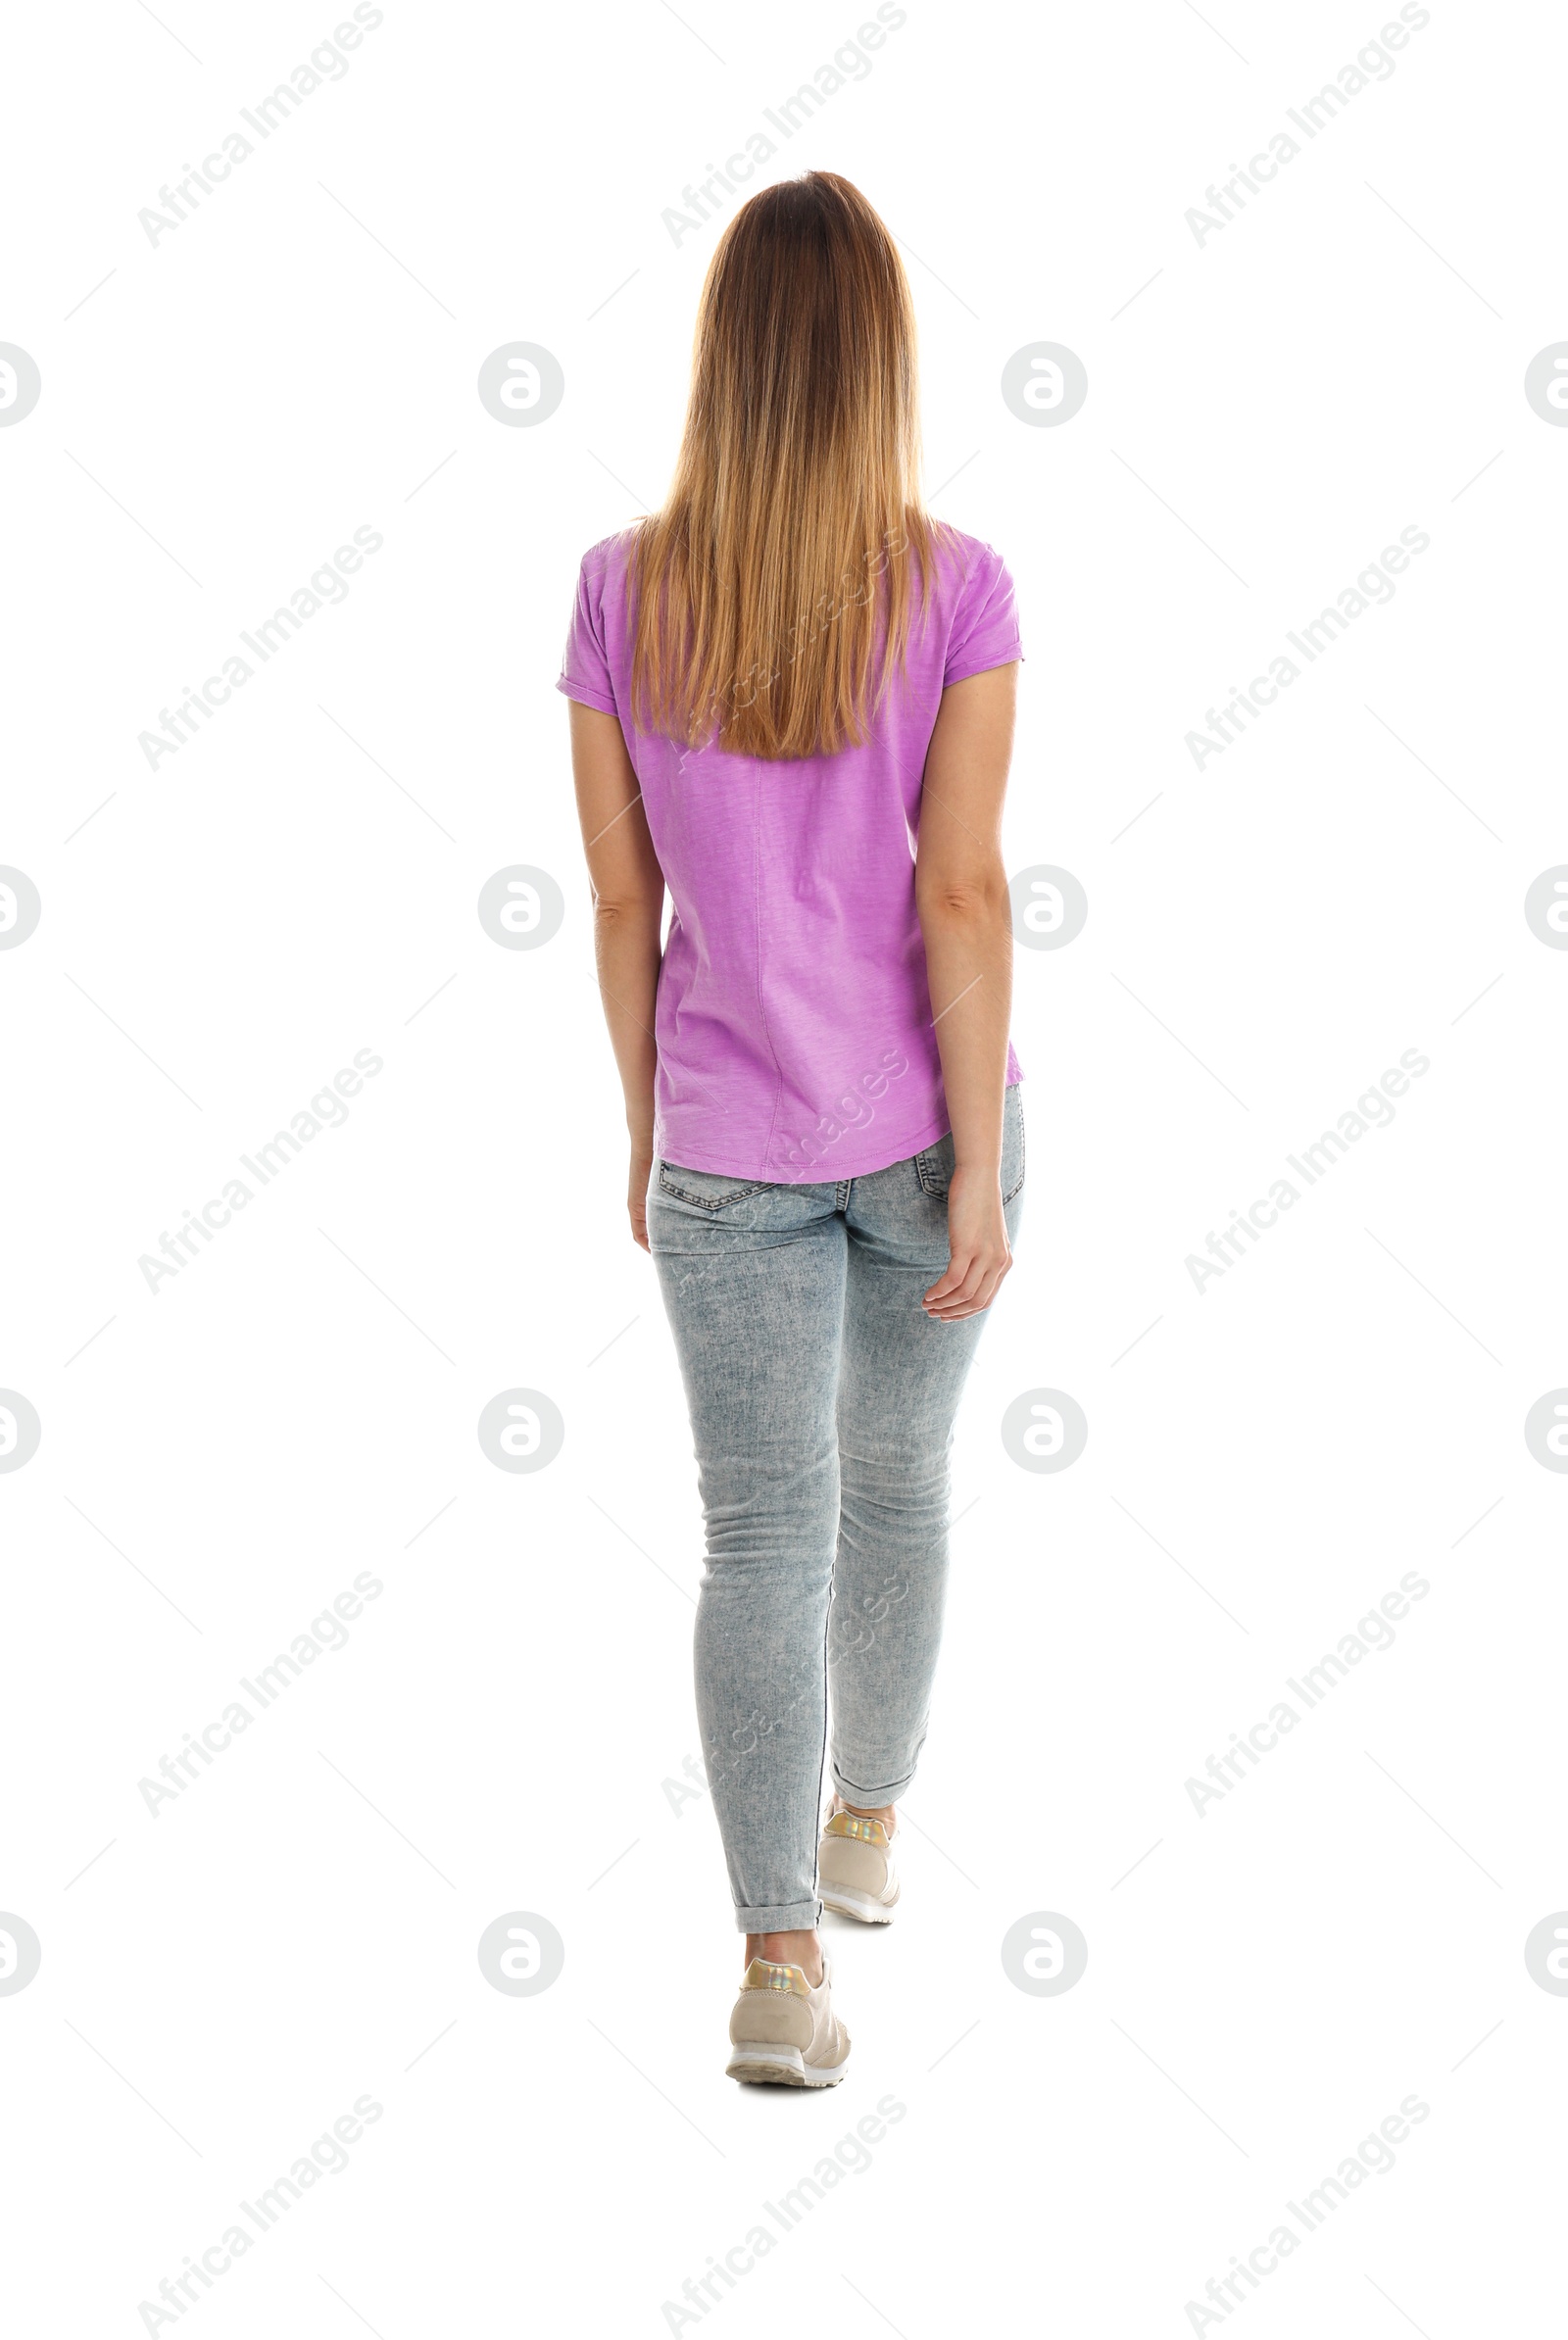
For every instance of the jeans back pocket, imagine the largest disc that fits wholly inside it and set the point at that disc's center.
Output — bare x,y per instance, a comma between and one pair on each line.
707,1189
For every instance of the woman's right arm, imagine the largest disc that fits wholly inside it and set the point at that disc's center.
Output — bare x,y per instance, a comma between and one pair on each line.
628,889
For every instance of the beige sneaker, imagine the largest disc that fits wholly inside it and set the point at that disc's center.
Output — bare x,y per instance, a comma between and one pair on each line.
784,2030
854,1872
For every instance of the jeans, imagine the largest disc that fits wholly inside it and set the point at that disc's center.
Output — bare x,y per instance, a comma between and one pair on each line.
823,1400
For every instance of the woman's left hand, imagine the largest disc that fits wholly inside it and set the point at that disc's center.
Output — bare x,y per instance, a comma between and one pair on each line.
979,1252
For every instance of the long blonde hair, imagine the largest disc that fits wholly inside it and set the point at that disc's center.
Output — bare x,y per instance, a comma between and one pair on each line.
794,523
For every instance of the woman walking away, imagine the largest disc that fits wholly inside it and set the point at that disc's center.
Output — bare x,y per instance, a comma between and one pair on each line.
793,703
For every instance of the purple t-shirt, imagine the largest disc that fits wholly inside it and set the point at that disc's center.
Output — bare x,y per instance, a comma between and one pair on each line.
794,1022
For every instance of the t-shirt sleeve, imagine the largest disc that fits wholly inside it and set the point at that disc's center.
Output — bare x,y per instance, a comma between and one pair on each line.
584,664
985,624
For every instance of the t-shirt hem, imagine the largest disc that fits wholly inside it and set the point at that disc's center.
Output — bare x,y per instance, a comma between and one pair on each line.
587,695
834,1165
837,1164
832,1169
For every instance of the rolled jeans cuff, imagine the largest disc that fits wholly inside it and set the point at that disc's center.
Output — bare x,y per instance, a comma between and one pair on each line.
872,1798
785,1916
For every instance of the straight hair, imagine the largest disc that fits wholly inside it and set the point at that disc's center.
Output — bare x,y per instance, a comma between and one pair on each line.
775,588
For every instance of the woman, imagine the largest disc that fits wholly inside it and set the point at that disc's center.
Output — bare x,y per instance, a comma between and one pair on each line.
792,704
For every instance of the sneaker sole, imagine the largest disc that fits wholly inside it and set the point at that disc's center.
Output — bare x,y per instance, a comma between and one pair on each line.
850,1904
785,2066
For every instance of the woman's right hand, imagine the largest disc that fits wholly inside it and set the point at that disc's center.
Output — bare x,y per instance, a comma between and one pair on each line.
637,1177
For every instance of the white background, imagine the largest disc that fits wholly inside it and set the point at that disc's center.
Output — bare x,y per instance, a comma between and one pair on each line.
219,411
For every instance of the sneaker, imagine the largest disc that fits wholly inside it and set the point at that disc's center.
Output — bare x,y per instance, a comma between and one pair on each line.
784,2030
854,1872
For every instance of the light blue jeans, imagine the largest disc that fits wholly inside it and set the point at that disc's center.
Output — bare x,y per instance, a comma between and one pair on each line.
823,1400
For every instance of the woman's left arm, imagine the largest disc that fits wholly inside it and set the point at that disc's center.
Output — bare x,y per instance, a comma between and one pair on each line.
629,890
